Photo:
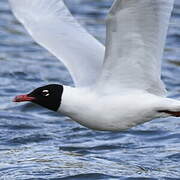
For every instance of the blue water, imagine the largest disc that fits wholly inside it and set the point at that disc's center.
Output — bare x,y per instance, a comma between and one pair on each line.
38,144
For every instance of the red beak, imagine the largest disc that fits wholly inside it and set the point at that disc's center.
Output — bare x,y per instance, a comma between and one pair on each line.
22,98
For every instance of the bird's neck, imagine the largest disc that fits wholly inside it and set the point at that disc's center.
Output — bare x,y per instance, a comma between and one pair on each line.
72,100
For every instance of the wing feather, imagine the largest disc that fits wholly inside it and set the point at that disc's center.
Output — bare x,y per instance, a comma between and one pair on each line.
51,25
136,33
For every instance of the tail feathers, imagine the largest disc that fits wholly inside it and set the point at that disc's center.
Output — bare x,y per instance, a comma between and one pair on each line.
171,113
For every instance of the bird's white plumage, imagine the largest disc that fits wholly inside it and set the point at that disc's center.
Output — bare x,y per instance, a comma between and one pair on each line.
129,89
136,33
114,112
51,24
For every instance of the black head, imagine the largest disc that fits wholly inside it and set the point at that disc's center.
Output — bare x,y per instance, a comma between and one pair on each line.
47,96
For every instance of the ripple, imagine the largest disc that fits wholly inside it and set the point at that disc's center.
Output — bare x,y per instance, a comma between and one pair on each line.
174,157
35,138
89,176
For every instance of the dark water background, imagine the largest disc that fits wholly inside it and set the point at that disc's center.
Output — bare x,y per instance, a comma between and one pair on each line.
38,144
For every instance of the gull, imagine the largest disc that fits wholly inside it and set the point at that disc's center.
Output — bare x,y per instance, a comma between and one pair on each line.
117,87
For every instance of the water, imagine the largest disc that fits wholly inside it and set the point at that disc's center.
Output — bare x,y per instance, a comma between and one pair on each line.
38,144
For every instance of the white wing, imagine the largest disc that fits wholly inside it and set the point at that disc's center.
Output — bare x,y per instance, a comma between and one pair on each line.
136,33
50,23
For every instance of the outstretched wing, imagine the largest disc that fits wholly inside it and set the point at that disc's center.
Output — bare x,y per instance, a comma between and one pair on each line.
51,25
136,33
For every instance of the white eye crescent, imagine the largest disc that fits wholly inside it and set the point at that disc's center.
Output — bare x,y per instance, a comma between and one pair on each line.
45,92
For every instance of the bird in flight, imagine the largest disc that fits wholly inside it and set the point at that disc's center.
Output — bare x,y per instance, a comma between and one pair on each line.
116,87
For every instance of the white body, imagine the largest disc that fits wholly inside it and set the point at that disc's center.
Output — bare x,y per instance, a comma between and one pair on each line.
113,112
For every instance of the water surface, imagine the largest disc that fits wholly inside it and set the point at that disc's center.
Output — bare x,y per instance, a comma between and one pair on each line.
38,144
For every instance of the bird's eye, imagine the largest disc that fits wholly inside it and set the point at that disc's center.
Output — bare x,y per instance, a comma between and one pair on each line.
45,93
